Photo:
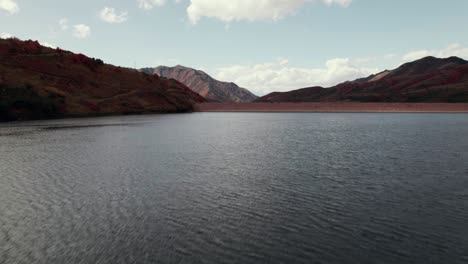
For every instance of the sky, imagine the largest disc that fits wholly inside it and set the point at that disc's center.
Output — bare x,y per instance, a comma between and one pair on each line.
262,45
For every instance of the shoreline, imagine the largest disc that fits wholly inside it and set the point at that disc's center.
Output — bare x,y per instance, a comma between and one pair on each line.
334,107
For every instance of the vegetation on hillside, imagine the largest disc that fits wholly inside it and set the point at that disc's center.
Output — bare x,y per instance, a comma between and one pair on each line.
22,103
41,82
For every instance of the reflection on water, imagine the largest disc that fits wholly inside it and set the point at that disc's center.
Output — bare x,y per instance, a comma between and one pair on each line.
236,188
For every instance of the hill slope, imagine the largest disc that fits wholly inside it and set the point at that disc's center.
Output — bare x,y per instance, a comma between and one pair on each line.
40,82
204,84
426,80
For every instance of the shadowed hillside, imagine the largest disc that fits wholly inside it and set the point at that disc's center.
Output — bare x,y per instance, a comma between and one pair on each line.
426,80
40,82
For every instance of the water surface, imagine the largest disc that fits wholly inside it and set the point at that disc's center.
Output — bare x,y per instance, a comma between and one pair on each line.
236,188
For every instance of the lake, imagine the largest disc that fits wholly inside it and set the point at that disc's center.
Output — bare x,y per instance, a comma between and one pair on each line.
236,188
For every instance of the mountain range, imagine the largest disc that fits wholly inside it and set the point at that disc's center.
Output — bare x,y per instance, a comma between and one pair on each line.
205,85
38,82
426,80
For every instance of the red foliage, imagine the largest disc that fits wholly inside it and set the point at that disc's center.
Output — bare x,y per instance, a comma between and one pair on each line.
81,58
35,63
415,81
454,77
91,63
32,47
28,46
3,50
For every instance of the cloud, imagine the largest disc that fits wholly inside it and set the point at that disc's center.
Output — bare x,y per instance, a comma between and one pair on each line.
264,78
9,6
63,23
45,44
342,3
109,15
4,35
150,4
237,10
452,50
81,31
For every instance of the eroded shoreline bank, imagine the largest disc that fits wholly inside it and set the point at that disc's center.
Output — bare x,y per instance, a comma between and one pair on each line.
335,107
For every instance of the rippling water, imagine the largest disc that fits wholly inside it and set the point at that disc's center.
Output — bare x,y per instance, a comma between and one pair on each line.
236,188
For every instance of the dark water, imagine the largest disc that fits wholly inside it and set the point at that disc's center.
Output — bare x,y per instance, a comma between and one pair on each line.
236,188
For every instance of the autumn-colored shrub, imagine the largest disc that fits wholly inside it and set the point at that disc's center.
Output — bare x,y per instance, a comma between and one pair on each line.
91,63
32,47
28,46
59,51
80,58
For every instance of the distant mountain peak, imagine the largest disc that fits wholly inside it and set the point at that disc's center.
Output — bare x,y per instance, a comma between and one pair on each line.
427,64
178,66
437,61
428,79
202,83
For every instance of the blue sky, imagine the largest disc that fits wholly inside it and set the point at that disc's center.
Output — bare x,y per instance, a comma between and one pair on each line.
261,45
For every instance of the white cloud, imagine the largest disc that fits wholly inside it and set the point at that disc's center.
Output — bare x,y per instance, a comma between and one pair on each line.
48,45
63,23
452,50
236,10
81,31
264,78
342,3
109,15
45,44
5,35
9,6
149,4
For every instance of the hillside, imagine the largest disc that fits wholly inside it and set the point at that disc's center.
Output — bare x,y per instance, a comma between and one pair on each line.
204,84
426,80
37,82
